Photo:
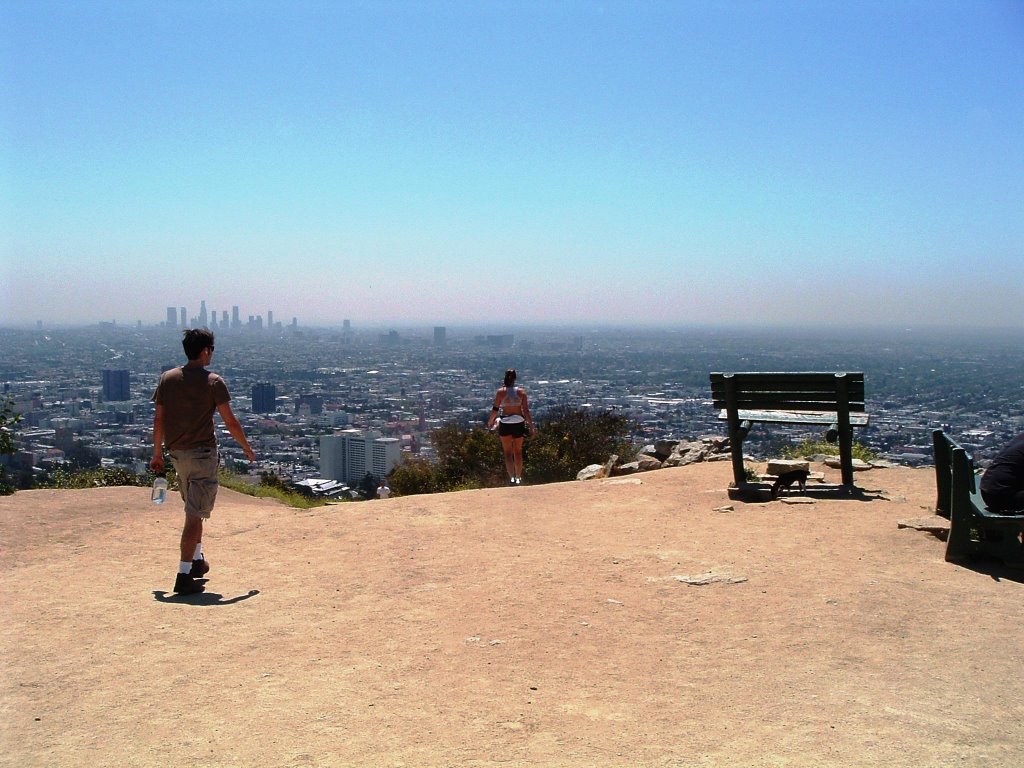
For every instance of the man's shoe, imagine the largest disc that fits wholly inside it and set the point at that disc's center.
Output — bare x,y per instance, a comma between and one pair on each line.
199,568
186,585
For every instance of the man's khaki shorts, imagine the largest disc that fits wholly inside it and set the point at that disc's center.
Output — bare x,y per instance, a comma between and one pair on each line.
197,478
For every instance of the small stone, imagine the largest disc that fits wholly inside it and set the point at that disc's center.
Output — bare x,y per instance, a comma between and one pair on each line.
931,524
710,577
726,508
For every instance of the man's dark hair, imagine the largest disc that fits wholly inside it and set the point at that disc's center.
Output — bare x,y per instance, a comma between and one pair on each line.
195,340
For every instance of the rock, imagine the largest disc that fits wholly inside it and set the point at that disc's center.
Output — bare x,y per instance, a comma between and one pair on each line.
648,463
628,468
596,471
796,500
858,465
610,464
648,450
782,466
664,448
687,453
726,508
711,577
938,526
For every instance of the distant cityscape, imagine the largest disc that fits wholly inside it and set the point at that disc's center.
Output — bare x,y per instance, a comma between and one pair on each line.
327,406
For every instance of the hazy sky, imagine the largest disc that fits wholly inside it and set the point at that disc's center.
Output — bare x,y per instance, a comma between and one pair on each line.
519,162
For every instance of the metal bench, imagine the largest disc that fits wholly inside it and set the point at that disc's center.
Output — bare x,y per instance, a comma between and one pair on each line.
973,528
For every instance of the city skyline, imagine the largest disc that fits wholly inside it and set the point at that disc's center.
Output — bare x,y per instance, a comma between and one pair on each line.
579,164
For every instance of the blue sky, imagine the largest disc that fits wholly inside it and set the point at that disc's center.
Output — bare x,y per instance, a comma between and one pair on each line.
483,162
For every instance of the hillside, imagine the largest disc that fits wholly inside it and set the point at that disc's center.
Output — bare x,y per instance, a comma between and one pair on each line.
542,625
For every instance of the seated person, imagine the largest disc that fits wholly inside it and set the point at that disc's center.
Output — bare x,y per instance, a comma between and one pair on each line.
1002,485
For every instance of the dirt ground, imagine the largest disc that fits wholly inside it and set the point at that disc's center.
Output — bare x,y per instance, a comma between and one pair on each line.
547,625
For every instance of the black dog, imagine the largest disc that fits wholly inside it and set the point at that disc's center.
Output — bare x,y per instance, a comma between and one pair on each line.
786,480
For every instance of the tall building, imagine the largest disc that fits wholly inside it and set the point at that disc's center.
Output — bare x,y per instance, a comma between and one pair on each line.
224,319
236,322
202,314
264,398
270,319
184,317
440,335
116,385
348,456
172,317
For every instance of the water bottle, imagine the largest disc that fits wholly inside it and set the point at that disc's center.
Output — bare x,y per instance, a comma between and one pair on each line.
159,493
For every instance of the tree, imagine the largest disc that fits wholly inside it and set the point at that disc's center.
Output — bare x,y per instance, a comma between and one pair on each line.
368,486
468,458
8,418
568,439
413,475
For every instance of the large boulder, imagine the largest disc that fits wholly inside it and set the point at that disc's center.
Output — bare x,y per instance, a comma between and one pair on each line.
591,472
642,464
664,448
647,463
782,466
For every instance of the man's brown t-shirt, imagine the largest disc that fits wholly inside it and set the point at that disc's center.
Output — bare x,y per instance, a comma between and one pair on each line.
189,396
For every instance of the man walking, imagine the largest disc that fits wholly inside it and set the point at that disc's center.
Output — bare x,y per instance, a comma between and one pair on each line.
186,398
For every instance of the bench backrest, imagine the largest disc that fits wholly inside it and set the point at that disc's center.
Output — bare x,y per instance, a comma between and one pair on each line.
806,391
950,458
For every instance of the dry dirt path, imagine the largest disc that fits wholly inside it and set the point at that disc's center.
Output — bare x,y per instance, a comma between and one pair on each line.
517,626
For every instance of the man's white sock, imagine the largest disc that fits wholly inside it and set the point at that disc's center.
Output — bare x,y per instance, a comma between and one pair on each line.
199,552
185,567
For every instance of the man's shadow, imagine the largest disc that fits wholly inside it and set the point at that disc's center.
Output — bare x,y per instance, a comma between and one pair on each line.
201,598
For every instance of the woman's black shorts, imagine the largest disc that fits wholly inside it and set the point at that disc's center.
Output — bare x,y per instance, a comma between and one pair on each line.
515,429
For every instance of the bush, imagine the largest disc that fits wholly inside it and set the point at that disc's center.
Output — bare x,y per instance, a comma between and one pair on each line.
7,419
569,439
811,447
412,476
93,478
268,489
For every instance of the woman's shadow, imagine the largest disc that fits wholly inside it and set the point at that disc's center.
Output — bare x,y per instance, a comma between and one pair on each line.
201,598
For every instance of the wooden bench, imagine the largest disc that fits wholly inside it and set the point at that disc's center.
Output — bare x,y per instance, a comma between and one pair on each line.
973,528
832,400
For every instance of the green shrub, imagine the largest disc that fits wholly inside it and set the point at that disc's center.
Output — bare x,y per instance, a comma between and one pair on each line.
93,478
268,489
812,447
568,439
7,420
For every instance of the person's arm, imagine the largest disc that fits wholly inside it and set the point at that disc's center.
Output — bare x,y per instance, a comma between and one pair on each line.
494,410
231,422
526,409
157,462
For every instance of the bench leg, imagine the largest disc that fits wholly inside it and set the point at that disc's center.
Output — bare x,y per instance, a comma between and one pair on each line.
959,545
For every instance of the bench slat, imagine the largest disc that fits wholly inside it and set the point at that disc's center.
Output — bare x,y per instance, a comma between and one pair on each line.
788,402
795,417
